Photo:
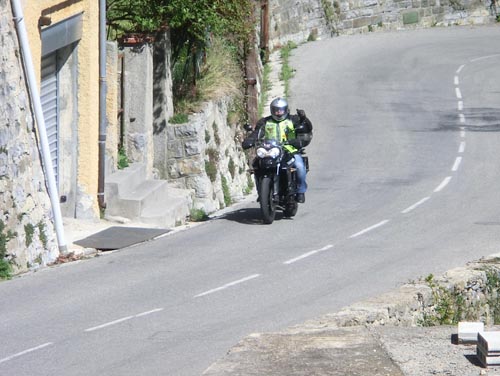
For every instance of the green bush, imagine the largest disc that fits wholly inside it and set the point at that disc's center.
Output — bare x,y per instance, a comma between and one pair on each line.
198,215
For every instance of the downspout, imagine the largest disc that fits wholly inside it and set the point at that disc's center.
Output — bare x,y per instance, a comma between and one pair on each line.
102,103
42,132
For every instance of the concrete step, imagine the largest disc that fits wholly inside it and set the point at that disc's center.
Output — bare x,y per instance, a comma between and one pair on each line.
130,195
125,179
170,210
132,201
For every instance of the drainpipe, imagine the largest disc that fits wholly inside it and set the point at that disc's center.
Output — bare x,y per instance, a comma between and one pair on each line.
102,103
42,132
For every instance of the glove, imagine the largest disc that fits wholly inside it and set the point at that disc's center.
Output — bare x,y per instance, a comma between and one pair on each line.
248,143
302,114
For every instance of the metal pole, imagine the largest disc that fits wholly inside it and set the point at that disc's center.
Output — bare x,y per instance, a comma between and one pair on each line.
102,103
42,132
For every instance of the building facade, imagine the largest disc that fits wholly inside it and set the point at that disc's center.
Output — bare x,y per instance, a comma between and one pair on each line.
64,42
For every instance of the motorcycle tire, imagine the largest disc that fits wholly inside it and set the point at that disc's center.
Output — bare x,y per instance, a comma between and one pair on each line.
291,209
267,205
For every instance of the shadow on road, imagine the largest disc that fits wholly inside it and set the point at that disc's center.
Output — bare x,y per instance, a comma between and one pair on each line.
250,216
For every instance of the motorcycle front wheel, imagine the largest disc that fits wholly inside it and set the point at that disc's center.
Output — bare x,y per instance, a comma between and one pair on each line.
267,205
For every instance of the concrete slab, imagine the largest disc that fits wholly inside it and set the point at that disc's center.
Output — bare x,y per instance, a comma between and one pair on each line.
118,237
349,351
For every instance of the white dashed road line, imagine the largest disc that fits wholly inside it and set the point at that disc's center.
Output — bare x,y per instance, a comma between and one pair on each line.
456,165
461,148
415,205
227,285
308,254
380,224
443,184
26,352
123,319
109,324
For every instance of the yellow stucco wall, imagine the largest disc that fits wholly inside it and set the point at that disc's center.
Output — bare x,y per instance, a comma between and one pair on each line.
88,79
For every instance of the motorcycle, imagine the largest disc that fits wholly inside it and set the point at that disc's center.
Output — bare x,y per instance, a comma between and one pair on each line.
276,179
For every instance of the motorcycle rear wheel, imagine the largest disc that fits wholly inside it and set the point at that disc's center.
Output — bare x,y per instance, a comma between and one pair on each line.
267,205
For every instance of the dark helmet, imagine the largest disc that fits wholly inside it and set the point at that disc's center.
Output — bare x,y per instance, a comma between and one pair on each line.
279,109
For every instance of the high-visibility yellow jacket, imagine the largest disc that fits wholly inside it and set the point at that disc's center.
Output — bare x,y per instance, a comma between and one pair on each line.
282,131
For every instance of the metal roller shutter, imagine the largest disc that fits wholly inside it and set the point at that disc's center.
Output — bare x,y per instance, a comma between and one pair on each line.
50,105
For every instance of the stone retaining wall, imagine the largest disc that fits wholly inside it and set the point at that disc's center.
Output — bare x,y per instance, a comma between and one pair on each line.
205,155
469,293
26,231
301,21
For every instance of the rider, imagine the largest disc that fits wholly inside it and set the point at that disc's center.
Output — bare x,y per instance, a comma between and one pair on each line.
295,132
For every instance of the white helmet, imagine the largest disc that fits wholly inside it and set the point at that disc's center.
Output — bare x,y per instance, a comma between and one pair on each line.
279,109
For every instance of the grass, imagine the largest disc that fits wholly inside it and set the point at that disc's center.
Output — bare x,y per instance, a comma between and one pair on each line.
221,74
266,86
287,72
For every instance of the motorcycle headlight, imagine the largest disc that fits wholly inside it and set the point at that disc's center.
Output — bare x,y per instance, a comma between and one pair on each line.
274,152
263,153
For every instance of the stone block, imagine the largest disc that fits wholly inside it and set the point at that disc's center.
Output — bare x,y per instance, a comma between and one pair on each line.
192,147
488,348
175,149
360,22
489,341
468,331
186,130
410,18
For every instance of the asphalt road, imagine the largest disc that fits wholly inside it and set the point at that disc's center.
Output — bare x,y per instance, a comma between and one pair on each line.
403,183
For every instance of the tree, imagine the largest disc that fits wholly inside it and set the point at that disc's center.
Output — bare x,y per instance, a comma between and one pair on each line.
192,25
190,21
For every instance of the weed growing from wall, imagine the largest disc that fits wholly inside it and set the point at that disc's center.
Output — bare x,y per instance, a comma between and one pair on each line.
5,237
449,306
180,118
225,190
211,170
216,133
42,235
231,167
29,230
198,215
122,158
332,14
492,289
211,164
